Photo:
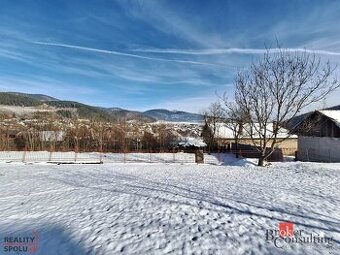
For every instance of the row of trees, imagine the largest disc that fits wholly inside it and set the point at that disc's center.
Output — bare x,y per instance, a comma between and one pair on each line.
49,131
275,89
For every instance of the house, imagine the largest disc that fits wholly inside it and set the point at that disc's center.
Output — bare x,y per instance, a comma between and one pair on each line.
194,142
319,137
192,145
287,142
52,136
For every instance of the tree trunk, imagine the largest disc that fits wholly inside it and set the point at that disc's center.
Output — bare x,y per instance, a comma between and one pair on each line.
237,154
261,161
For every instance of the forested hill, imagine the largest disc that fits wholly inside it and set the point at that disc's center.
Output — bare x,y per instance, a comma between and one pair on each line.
83,111
93,112
17,100
26,100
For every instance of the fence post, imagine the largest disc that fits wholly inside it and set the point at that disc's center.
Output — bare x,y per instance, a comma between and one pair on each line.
219,155
24,155
50,156
307,154
75,156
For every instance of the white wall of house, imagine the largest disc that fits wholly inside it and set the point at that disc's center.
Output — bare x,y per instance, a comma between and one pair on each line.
51,136
324,149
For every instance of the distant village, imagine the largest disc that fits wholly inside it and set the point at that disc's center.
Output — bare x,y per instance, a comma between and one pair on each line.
47,131
44,130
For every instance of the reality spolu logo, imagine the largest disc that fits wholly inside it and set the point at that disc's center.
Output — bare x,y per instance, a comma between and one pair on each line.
21,243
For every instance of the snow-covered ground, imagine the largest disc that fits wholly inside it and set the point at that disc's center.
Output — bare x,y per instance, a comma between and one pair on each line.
166,208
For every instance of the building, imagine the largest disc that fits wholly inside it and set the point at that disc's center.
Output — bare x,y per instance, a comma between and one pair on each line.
52,136
196,142
287,142
319,137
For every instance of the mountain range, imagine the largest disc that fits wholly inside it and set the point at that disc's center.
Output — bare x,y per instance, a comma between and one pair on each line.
94,112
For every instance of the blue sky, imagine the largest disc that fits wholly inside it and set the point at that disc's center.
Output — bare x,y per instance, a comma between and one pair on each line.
152,54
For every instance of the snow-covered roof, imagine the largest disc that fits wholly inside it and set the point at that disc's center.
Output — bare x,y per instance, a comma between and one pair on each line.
334,115
192,141
225,132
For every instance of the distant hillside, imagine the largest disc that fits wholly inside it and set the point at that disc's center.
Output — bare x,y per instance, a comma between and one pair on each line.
163,114
93,112
28,100
156,114
337,107
18,100
122,114
84,111
39,97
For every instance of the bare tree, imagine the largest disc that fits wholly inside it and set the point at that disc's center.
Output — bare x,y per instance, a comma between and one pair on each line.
31,136
98,129
4,137
234,120
275,89
212,116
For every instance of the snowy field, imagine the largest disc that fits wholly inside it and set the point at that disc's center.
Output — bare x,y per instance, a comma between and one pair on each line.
163,208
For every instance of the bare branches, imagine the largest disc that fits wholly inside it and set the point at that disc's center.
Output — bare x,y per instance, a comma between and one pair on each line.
212,116
278,87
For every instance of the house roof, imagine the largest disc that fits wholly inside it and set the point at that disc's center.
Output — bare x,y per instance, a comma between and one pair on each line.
334,115
192,142
224,132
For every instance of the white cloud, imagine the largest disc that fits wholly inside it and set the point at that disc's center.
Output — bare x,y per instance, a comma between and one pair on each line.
124,54
170,21
234,51
43,85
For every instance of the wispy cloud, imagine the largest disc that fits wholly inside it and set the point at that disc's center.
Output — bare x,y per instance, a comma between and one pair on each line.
150,53
234,51
167,20
37,84
102,51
